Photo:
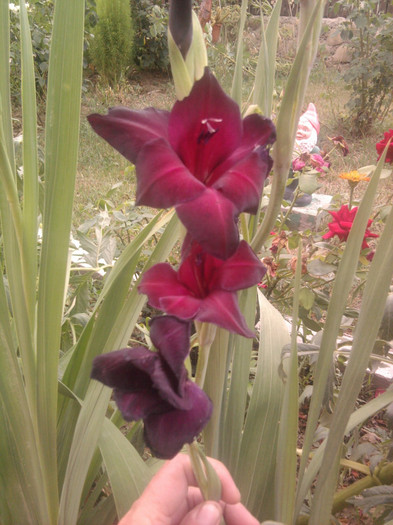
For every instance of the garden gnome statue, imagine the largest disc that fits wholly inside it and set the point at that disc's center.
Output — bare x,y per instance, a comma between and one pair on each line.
305,142
307,131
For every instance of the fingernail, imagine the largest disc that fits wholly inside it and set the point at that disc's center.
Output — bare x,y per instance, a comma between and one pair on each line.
209,514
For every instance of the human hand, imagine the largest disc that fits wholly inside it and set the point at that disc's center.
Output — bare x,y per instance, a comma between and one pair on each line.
173,498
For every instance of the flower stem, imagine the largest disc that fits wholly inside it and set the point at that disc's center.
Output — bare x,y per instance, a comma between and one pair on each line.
206,334
205,475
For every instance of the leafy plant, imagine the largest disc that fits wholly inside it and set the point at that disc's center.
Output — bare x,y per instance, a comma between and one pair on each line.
369,79
150,40
112,47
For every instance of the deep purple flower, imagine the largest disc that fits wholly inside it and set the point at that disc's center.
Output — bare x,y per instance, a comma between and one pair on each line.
154,386
204,287
201,158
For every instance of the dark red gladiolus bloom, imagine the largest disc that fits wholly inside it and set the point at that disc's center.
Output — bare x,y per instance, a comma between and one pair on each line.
342,224
154,386
381,146
201,158
204,287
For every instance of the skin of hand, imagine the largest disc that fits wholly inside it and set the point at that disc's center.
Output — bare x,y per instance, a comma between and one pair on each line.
173,498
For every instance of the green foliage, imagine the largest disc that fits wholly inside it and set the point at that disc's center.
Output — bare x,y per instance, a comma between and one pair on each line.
41,27
369,78
150,41
111,49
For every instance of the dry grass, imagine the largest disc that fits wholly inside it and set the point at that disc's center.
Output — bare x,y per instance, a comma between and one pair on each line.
100,167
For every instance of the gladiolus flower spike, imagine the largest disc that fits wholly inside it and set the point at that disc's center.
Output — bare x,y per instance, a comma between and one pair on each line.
154,386
201,158
204,287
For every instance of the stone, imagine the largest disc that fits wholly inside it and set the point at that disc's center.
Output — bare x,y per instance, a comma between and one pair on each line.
342,55
310,216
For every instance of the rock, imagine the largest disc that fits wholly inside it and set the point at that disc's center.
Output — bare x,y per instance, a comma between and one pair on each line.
342,55
334,38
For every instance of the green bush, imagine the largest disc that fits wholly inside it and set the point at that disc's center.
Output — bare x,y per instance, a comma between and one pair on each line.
112,45
150,42
369,78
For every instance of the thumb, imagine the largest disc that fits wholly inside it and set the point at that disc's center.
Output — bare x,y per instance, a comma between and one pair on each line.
206,513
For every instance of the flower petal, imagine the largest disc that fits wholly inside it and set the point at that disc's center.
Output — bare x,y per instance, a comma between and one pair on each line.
257,131
128,131
163,180
160,281
243,183
210,220
127,369
205,127
221,308
242,270
166,434
172,337
139,405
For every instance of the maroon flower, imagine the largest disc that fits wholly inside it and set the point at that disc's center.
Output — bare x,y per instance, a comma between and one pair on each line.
381,146
204,287
154,386
342,224
201,158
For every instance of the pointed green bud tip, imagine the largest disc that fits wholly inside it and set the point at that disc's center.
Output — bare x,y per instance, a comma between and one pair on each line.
180,24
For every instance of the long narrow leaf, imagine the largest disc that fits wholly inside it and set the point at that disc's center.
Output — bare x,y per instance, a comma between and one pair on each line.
236,92
373,304
238,390
287,438
256,469
128,473
61,150
341,288
266,65
287,122
30,162
215,387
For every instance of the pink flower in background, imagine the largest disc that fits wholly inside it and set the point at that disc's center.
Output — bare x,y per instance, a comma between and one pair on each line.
201,157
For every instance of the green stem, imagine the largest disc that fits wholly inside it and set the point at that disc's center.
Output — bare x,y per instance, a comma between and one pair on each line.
289,210
205,475
206,333
382,476
351,190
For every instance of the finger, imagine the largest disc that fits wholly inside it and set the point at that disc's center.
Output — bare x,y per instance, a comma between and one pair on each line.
235,514
178,473
207,513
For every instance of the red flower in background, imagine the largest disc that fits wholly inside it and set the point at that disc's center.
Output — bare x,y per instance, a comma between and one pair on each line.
382,144
342,224
201,157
